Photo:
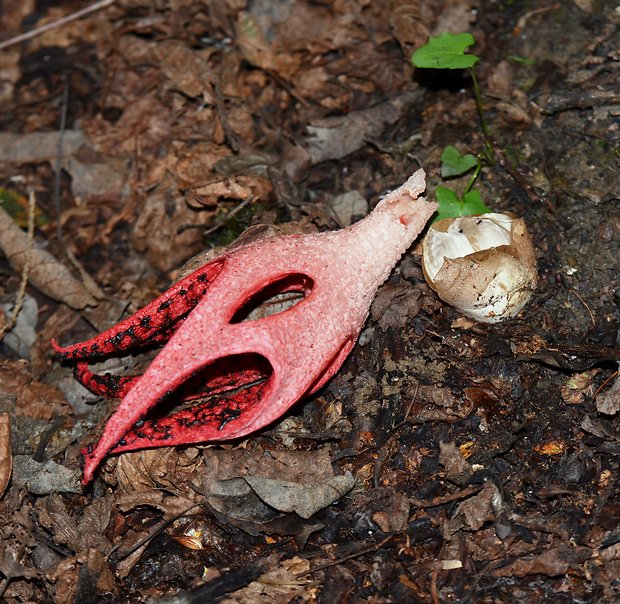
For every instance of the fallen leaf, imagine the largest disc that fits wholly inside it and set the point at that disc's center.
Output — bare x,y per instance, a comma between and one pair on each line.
609,402
47,274
279,586
337,137
304,499
553,562
251,485
457,468
45,478
395,515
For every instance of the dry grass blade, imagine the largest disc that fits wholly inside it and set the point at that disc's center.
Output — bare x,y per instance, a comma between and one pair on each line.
6,459
58,23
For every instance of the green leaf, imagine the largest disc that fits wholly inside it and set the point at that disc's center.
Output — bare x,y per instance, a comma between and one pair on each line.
446,51
455,164
16,206
451,205
474,204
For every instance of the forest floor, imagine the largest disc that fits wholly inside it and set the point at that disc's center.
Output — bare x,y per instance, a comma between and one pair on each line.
447,460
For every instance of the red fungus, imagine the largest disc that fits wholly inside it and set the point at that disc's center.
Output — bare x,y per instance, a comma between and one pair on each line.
253,371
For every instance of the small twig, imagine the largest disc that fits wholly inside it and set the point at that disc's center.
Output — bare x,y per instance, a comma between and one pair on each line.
88,281
489,150
221,113
539,525
46,436
58,162
21,294
366,550
576,294
611,377
441,500
434,592
151,534
54,24
218,223
522,22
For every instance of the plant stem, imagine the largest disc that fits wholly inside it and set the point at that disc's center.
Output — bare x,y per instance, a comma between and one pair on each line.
474,176
488,143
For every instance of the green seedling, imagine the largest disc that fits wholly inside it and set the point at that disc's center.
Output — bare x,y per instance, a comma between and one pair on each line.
452,206
447,51
455,164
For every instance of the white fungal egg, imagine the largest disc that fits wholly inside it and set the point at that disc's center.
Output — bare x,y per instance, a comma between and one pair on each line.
485,266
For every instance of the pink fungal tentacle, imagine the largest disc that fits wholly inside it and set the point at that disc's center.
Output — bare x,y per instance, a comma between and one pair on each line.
338,272
152,324
117,386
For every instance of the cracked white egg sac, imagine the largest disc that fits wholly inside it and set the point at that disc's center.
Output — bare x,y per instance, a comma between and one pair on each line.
485,266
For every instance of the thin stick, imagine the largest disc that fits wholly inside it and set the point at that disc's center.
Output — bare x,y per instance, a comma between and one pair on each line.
576,294
441,500
366,550
58,164
611,377
152,533
54,24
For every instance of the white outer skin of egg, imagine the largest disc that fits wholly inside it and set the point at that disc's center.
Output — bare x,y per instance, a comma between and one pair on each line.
485,266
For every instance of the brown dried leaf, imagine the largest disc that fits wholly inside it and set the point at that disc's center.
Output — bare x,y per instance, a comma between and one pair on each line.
145,119
407,25
171,506
155,468
293,466
279,586
13,14
156,232
394,518
305,499
395,305
97,565
609,402
337,137
238,187
551,447
480,508
66,579
46,274
42,401
552,563
456,466
258,51
454,16
186,70
33,399
249,485
53,515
